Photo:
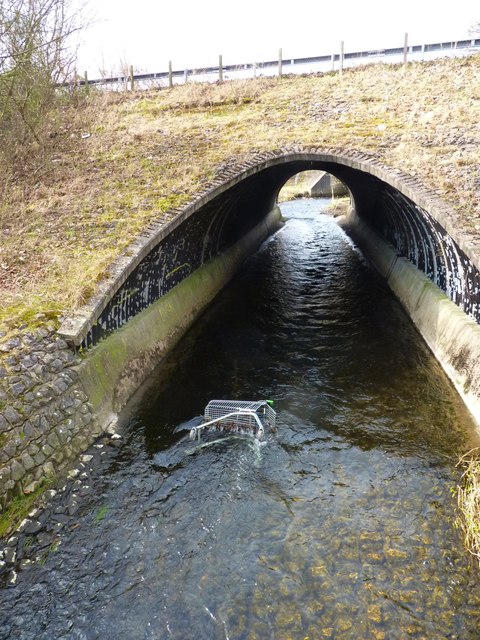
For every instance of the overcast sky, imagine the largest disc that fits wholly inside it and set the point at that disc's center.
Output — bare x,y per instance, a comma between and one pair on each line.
149,33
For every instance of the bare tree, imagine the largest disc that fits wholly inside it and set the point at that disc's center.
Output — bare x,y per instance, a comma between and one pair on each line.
474,30
35,55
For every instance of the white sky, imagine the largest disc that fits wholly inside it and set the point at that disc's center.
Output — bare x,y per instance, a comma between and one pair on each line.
149,33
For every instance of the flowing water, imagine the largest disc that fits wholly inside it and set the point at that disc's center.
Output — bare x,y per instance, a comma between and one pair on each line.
340,526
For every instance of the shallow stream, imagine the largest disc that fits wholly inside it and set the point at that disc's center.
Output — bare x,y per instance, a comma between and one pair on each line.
339,526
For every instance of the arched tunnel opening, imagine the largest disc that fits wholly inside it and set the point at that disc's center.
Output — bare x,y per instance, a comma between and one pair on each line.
313,184
240,203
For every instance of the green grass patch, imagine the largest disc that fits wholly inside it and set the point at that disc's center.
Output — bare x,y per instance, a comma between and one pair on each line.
18,509
34,313
51,549
101,513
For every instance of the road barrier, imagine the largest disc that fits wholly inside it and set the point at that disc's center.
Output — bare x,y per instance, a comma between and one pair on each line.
281,66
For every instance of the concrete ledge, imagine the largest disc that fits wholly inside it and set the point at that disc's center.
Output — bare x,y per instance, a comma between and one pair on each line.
113,370
453,337
327,186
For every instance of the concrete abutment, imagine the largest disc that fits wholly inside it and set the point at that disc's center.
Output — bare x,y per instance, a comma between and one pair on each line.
452,335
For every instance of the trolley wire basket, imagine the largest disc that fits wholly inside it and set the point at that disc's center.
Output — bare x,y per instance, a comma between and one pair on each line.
244,417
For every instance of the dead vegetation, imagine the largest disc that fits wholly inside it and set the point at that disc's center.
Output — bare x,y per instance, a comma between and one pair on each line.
468,494
108,164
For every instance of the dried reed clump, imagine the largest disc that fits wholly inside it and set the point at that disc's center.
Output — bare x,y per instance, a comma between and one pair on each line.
468,494
206,95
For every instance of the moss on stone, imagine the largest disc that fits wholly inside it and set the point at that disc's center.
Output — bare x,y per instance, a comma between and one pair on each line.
18,509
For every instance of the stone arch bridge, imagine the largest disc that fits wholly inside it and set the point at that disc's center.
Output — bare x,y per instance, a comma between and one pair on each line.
413,238
167,276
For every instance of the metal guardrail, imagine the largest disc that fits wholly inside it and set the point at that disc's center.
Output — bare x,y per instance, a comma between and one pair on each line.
460,47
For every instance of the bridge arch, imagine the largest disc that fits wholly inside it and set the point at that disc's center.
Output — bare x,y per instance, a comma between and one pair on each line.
397,208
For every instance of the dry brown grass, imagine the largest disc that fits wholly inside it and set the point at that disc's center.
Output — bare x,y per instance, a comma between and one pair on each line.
468,494
69,208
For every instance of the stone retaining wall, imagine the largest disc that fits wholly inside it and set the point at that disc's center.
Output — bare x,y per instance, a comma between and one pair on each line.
45,416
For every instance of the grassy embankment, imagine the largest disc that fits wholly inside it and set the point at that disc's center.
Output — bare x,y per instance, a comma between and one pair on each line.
75,202
109,165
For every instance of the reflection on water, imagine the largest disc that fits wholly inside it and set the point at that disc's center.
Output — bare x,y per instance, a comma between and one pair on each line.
339,527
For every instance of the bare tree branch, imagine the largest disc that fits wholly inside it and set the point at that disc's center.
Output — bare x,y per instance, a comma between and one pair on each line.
34,56
474,30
